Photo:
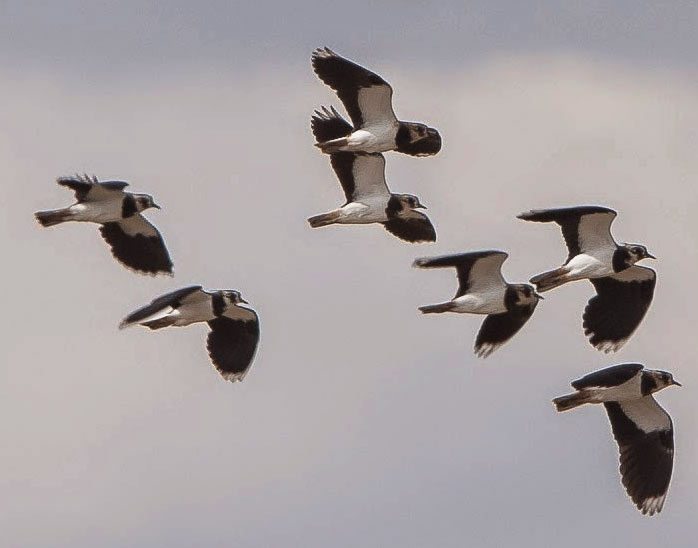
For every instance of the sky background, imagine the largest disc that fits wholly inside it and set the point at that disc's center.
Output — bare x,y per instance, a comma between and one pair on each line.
361,422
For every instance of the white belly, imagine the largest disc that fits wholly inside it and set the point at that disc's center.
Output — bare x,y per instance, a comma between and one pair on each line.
480,303
99,212
372,139
192,312
590,266
363,213
629,390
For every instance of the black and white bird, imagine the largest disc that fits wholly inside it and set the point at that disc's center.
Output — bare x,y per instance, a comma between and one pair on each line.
232,341
368,100
483,290
624,290
362,176
643,430
134,242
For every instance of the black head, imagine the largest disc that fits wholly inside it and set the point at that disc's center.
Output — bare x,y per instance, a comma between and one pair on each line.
417,139
659,380
144,201
409,201
526,294
637,252
232,297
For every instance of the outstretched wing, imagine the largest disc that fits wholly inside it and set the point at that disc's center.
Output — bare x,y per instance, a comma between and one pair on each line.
476,270
609,376
171,300
365,95
411,226
585,228
499,328
645,437
232,343
620,304
362,175
89,189
137,244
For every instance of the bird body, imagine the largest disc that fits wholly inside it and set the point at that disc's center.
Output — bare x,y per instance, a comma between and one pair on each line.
234,335
483,290
486,302
624,290
368,199
368,100
134,241
643,430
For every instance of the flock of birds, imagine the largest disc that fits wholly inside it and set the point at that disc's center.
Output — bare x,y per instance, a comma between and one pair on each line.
624,290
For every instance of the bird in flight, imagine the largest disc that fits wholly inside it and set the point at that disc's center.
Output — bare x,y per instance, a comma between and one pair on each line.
643,430
368,100
483,290
134,241
368,199
624,290
232,341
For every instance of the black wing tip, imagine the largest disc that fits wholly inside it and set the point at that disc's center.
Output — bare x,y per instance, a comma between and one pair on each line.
553,214
146,255
66,180
232,358
323,52
151,271
455,259
485,349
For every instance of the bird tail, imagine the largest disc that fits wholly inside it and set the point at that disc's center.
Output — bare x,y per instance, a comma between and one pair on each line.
156,323
159,323
333,145
549,280
54,217
324,219
436,308
570,401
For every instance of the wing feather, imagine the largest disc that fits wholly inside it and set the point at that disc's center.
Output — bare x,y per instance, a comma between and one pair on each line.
366,96
137,244
619,306
232,344
645,436
584,228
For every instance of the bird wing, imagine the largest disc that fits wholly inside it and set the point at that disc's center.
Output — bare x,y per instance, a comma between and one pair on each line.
497,329
365,95
171,300
609,376
362,175
137,244
411,226
328,124
89,189
585,228
645,436
476,270
620,304
232,342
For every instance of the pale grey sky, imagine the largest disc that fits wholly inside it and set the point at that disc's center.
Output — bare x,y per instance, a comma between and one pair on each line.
361,423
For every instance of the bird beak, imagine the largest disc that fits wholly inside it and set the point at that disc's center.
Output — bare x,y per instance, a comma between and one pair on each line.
650,256
243,301
539,296
677,383
156,206
421,206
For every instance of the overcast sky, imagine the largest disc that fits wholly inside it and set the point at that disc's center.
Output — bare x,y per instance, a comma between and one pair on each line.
361,423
